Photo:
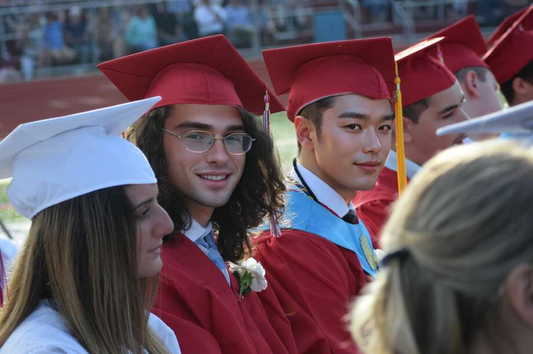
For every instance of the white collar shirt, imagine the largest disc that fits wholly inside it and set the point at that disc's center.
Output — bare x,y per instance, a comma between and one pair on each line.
197,231
323,192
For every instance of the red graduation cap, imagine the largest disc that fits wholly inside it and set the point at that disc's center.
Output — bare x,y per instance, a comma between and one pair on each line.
423,74
206,71
315,71
463,45
504,26
514,49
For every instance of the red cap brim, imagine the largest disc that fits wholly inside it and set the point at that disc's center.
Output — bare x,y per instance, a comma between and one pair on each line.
513,50
422,74
207,71
315,71
463,45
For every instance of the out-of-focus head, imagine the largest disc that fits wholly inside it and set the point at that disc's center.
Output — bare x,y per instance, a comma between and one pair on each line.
462,49
511,58
432,98
460,265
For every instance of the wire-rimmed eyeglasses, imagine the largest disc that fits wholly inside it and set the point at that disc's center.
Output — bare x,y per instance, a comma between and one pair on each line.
200,141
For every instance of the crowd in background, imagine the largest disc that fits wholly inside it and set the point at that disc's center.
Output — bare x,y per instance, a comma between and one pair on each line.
81,35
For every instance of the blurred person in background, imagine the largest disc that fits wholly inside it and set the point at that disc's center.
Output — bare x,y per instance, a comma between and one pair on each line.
167,24
458,277
462,50
511,61
141,31
55,50
378,10
32,46
239,24
110,28
77,34
209,17
432,98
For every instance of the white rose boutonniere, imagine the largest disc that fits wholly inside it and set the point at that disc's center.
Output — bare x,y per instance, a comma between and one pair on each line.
251,276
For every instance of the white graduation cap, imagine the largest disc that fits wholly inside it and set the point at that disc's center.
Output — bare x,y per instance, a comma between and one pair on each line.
57,159
517,119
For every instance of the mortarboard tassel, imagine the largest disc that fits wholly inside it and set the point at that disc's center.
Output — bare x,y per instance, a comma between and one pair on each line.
266,113
273,220
400,149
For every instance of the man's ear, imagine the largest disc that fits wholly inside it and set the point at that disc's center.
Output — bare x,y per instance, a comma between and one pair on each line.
519,291
470,85
305,132
408,130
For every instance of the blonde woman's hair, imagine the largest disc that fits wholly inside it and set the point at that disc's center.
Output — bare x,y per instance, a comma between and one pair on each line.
81,256
463,224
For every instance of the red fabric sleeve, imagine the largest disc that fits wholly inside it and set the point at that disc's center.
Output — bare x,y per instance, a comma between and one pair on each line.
191,336
315,284
207,315
376,214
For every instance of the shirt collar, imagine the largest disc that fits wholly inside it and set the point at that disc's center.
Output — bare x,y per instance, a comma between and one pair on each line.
411,168
197,231
323,192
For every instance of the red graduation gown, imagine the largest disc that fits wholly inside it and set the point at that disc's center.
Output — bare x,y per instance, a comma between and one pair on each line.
208,316
315,282
374,204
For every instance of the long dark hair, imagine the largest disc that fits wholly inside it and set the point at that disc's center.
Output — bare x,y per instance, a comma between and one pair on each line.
259,193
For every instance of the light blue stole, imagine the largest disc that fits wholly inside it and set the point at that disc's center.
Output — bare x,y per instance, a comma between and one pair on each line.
304,214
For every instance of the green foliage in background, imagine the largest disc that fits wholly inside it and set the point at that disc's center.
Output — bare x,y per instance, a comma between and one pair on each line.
282,130
7,213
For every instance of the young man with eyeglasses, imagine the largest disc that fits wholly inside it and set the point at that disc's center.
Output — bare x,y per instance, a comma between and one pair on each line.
217,175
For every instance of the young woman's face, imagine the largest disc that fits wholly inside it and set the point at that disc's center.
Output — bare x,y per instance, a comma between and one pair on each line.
153,223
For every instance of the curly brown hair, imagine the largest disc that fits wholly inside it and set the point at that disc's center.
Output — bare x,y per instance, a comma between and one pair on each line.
259,193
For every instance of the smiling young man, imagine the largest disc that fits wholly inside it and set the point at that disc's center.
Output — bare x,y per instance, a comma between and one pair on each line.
340,103
217,174
432,98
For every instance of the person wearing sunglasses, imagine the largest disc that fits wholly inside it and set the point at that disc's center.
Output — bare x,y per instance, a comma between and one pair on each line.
218,177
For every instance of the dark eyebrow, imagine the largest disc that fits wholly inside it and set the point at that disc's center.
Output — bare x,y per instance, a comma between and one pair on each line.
195,125
208,127
451,107
234,127
148,201
350,114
